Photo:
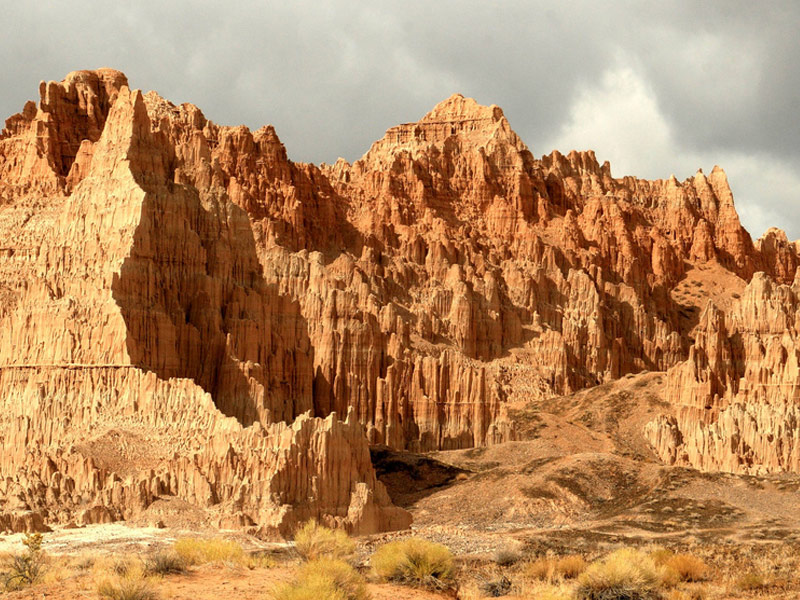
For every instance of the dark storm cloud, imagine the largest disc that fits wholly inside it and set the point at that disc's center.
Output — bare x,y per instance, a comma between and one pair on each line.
656,87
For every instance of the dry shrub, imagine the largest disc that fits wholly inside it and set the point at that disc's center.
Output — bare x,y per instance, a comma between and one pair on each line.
548,591
26,568
751,581
164,563
324,578
131,585
505,557
199,551
626,573
688,567
552,569
569,567
541,569
415,561
313,541
126,588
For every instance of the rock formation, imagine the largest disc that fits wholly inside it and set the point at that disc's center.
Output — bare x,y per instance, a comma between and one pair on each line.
186,312
142,351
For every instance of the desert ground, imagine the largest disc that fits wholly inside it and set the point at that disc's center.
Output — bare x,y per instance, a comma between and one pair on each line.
580,483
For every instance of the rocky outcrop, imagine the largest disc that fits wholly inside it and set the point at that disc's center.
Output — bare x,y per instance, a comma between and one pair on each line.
143,354
737,395
186,312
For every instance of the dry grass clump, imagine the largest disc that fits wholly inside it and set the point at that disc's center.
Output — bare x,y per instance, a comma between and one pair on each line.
695,593
132,584
126,588
571,566
83,561
548,591
416,562
660,556
26,568
199,551
260,560
505,557
552,569
541,569
313,541
688,567
324,578
164,563
751,581
626,573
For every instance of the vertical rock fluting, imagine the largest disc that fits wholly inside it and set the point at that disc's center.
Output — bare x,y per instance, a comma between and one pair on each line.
143,320
738,394
448,251
185,311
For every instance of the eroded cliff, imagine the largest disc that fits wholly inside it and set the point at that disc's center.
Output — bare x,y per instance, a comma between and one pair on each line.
167,279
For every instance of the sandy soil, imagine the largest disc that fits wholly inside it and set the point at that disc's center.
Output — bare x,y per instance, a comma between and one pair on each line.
209,582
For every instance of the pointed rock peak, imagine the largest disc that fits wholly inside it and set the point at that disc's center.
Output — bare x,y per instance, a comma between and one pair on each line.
718,175
475,125
457,109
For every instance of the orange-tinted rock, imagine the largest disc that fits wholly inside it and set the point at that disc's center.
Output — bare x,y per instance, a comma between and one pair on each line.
144,354
736,395
186,284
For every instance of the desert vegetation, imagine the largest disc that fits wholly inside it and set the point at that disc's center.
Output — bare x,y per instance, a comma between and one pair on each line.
313,541
25,568
324,578
326,563
415,561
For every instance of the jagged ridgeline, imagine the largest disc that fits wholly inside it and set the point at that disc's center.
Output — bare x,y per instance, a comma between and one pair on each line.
185,312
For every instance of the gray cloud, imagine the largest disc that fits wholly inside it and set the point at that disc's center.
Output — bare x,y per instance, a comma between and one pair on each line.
657,87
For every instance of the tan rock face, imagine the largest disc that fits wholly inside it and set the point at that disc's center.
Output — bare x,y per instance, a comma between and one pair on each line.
175,295
143,354
737,394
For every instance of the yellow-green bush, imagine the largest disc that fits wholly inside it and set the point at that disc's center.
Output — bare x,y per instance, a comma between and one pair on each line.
415,561
313,541
622,574
126,588
132,584
324,578
26,568
199,551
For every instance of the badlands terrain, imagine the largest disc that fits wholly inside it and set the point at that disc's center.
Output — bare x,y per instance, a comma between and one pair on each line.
449,337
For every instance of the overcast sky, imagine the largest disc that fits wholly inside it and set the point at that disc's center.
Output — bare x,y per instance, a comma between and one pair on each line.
654,87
